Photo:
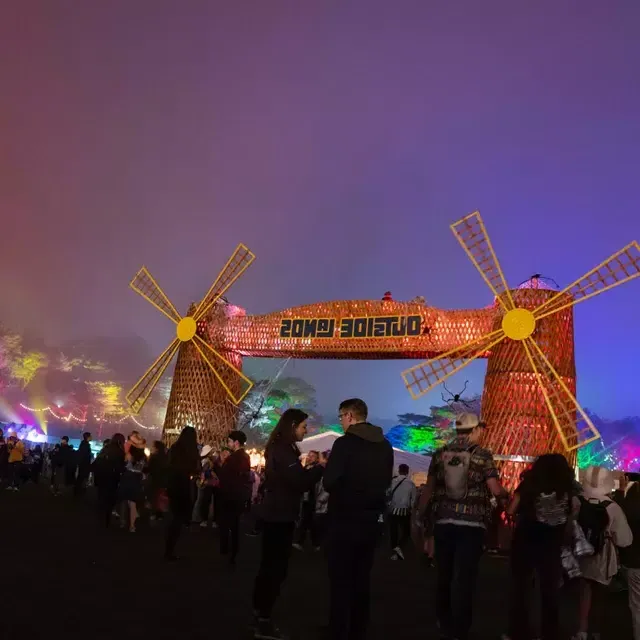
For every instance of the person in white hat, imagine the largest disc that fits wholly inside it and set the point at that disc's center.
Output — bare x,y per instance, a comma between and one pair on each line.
206,486
462,477
606,527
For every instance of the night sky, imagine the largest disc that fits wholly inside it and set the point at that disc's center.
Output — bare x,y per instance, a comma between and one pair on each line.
338,140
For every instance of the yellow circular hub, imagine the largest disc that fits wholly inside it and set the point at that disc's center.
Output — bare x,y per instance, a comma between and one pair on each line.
186,329
518,324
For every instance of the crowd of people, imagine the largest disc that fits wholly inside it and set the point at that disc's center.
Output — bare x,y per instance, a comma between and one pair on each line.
561,531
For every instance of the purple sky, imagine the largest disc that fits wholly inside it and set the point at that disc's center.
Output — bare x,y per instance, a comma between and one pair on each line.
338,140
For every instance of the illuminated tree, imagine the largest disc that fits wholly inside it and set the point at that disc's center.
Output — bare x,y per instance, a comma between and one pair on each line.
269,399
108,396
424,439
25,366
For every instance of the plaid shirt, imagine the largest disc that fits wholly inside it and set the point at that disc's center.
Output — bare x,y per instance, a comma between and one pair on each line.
475,508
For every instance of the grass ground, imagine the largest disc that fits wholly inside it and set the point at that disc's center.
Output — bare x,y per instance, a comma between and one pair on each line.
66,577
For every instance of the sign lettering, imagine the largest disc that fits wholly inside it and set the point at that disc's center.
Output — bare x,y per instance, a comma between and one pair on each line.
347,328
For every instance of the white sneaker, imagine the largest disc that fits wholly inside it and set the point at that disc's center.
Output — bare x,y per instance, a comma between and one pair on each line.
394,556
398,552
204,524
297,547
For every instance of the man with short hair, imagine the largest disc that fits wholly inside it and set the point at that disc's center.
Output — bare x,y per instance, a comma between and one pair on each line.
85,457
462,477
234,492
356,478
402,500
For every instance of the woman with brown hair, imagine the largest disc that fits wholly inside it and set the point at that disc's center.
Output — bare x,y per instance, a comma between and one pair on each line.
184,468
285,482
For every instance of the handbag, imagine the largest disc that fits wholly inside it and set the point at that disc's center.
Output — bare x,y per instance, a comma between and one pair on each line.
390,498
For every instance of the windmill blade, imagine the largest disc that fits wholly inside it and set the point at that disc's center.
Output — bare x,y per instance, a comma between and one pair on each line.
144,284
562,404
423,377
472,235
143,388
221,367
235,267
621,267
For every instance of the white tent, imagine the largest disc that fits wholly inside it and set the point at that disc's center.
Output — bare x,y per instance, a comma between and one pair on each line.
418,465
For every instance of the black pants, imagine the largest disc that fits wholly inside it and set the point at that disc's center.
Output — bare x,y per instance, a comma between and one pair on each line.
535,550
351,548
277,538
305,524
229,526
107,497
319,529
181,507
399,530
15,474
458,552
81,480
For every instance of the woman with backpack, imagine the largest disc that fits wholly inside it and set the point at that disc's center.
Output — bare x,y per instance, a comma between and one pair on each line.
543,507
605,526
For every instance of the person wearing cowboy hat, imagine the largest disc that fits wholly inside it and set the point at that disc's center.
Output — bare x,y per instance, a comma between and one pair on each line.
462,477
598,570
208,483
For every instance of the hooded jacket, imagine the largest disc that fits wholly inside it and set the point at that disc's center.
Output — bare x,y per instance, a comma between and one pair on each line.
359,473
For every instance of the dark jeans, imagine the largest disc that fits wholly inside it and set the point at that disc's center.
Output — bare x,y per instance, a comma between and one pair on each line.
351,546
277,538
458,552
535,549
399,530
206,498
181,506
229,526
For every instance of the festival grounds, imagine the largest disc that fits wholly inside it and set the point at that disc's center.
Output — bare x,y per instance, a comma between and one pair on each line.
65,577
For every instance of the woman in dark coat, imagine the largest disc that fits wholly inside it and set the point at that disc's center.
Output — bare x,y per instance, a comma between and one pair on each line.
108,469
184,468
285,482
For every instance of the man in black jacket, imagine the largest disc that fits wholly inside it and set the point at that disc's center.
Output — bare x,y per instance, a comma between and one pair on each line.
357,477
85,457
233,493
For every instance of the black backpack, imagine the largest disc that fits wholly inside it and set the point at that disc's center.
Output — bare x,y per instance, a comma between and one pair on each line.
594,521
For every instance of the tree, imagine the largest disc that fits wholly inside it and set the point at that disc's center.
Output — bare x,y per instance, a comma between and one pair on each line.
25,366
107,397
269,399
424,439
10,348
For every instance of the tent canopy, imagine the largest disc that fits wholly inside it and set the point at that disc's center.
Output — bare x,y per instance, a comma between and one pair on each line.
418,465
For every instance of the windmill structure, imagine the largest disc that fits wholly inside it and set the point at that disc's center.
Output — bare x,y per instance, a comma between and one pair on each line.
529,401
205,379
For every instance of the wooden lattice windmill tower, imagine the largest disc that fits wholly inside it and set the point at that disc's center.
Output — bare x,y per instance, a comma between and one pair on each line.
529,400
204,379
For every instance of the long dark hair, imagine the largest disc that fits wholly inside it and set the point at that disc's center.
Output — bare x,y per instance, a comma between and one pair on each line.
159,447
184,453
283,432
550,473
115,446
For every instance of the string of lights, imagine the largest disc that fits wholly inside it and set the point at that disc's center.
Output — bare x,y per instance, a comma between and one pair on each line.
71,417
